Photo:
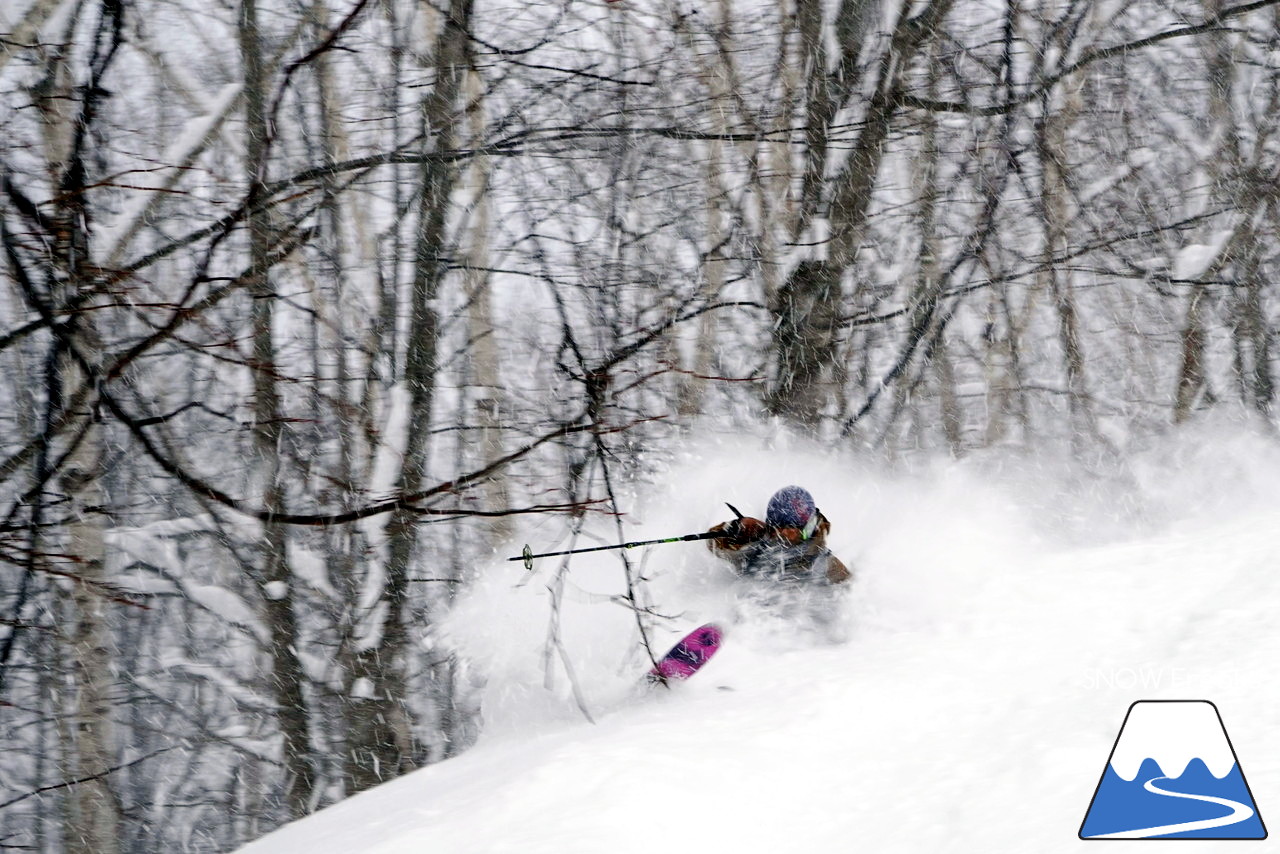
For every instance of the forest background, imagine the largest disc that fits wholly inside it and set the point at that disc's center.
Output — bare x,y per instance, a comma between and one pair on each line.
305,304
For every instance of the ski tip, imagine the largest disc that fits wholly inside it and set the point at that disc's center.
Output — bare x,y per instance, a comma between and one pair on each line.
711,633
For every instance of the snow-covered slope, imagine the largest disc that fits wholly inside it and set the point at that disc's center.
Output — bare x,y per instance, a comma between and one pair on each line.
1005,617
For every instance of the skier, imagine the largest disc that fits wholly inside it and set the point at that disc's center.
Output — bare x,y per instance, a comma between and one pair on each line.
788,547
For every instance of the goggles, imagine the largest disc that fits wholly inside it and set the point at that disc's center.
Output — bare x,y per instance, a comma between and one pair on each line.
809,527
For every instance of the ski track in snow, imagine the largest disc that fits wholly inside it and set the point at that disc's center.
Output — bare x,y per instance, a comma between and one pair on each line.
1239,812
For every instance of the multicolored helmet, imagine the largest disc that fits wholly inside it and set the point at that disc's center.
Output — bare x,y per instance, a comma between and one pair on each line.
793,507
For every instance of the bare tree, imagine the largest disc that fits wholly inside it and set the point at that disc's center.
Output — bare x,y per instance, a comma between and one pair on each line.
273,572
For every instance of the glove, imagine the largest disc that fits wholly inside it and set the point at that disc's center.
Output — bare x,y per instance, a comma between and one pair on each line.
738,533
735,533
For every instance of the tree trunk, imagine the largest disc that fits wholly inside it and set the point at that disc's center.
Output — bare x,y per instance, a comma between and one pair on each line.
1224,170
804,344
1055,191
928,288
26,30
1191,374
67,112
691,388
94,809
486,366
813,293
1242,182
380,742
287,677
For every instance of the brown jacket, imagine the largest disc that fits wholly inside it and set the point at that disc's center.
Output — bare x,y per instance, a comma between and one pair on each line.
760,549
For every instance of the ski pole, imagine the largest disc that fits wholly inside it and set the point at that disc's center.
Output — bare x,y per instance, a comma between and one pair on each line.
529,557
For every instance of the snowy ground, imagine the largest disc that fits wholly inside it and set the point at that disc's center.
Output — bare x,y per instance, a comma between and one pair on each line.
1005,616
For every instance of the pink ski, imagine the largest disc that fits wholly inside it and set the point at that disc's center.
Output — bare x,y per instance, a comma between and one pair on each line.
686,657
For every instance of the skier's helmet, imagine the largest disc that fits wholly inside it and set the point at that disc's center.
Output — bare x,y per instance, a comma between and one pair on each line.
792,507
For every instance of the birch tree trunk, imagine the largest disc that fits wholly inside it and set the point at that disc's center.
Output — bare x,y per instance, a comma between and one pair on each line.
94,808
486,366
692,387
1191,373
812,298
930,276
1244,181
1054,149
25,31
67,116
380,740
1241,255
287,677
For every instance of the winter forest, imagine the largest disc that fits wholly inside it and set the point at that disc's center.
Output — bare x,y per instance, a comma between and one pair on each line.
308,306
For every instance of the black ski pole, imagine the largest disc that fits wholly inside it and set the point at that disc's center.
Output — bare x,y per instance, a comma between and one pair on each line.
529,557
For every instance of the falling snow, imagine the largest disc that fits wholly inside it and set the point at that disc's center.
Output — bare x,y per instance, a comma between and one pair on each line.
313,316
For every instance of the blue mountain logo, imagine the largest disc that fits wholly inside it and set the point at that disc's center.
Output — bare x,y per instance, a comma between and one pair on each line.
1173,774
